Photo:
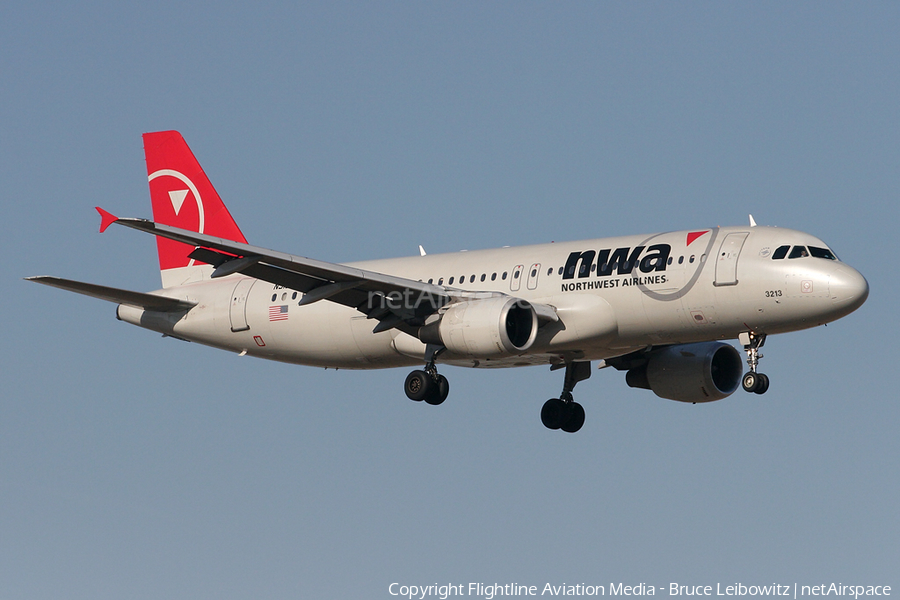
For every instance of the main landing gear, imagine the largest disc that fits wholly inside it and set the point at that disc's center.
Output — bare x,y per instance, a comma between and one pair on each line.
563,412
427,384
557,413
754,382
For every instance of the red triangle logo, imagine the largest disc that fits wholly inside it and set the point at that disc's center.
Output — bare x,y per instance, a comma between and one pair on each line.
694,235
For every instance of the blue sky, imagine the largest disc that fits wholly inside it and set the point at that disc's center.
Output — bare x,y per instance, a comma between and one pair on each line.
141,467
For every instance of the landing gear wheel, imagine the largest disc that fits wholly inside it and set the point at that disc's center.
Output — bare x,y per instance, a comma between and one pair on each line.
427,384
418,386
762,385
439,392
750,382
553,413
575,417
563,412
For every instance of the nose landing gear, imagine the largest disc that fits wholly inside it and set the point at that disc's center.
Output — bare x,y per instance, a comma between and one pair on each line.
563,412
753,381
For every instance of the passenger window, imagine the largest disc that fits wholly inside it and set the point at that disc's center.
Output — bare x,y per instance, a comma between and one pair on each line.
780,252
680,260
472,279
691,260
431,281
441,281
516,275
669,262
799,252
450,282
274,297
483,276
294,296
560,270
550,271
503,277
494,277
822,253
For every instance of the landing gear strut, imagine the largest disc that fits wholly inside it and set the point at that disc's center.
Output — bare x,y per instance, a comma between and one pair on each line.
752,381
563,412
427,384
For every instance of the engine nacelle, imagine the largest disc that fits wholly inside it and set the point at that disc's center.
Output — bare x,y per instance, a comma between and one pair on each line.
700,372
486,328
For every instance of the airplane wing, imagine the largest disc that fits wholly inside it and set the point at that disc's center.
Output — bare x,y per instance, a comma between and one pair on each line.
145,301
396,302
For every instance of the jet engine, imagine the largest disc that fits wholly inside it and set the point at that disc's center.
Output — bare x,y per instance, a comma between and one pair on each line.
485,328
700,372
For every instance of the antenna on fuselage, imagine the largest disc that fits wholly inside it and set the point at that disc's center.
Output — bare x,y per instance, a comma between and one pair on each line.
752,223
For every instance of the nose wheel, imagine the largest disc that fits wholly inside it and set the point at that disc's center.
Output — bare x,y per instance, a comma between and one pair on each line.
753,381
757,383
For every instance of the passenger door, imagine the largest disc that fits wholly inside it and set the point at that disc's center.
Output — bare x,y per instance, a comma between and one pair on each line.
238,310
726,261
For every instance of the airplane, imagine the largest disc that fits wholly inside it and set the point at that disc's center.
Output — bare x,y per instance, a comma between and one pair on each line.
656,306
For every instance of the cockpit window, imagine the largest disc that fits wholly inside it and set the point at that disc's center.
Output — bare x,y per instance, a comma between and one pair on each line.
803,252
822,253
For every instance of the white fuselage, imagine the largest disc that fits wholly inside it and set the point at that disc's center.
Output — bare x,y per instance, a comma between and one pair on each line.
668,288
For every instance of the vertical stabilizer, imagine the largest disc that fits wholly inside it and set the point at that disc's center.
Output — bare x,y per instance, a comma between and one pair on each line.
182,196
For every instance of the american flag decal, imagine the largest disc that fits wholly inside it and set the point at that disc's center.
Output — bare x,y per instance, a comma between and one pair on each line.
278,313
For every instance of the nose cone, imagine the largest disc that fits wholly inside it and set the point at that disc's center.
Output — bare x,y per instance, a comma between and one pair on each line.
848,289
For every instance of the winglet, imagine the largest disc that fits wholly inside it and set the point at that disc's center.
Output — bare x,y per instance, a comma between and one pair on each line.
106,218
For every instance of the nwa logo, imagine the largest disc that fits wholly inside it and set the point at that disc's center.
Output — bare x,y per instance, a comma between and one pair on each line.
171,193
177,192
621,261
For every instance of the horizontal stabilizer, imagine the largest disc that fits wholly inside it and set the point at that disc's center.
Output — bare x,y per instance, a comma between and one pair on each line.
145,301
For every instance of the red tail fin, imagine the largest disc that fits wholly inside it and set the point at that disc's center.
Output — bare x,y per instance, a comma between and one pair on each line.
182,196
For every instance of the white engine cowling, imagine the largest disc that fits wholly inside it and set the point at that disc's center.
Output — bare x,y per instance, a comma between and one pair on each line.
700,372
486,328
